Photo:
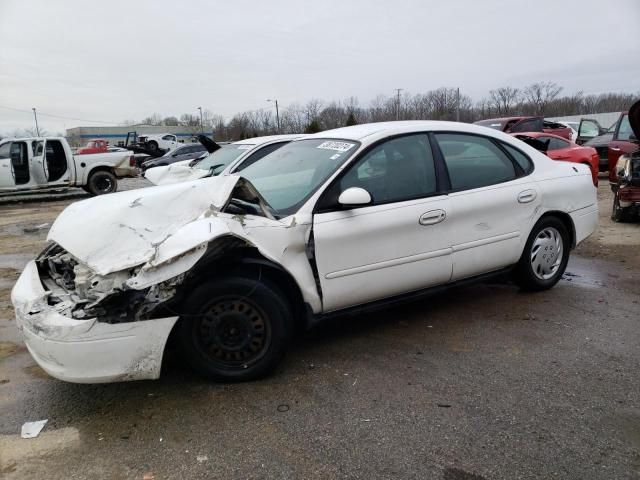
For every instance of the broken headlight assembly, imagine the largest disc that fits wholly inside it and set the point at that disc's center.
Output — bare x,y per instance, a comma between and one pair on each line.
80,292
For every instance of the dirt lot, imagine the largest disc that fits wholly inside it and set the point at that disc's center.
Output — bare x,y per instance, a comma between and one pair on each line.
483,382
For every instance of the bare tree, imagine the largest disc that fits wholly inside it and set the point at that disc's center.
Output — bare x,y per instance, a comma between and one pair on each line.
504,99
539,94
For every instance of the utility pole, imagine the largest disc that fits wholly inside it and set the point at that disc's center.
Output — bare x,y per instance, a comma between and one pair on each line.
277,112
35,116
398,90
201,124
458,105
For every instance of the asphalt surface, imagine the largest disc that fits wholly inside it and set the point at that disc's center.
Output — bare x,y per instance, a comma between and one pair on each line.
482,382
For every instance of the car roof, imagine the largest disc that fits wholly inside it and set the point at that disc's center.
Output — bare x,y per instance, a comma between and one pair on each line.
269,138
358,132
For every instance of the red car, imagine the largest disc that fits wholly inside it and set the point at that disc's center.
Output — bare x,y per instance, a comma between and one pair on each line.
526,124
95,145
559,148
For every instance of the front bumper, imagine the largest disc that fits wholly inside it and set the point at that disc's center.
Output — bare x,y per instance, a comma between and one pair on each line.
86,351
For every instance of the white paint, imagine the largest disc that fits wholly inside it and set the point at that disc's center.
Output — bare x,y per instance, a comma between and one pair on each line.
362,253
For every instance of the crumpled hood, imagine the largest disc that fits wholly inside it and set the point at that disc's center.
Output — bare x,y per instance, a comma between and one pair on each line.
113,232
175,173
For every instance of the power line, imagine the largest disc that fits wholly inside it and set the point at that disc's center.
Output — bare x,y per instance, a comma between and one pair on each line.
57,116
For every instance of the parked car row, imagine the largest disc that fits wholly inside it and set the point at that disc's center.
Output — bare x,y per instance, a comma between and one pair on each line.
613,150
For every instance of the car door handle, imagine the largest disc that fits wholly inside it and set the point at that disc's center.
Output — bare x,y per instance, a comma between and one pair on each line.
527,196
432,217
615,149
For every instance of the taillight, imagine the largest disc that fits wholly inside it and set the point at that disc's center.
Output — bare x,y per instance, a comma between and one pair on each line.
132,161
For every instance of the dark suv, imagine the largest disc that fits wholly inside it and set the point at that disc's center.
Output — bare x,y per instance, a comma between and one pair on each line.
185,152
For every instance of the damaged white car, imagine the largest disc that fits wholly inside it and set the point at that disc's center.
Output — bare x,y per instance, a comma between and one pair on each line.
228,159
339,221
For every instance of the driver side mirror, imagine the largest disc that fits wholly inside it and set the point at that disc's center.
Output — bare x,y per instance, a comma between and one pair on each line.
354,197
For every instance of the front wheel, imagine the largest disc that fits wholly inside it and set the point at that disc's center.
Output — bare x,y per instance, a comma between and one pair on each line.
545,255
101,182
236,329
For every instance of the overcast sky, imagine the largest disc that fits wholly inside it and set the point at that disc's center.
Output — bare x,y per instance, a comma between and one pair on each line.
114,60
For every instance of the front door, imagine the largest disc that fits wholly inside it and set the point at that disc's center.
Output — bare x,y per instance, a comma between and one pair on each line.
492,202
7,180
587,130
397,244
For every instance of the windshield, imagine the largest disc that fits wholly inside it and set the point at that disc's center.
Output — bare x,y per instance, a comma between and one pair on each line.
491,124
287,177
219,159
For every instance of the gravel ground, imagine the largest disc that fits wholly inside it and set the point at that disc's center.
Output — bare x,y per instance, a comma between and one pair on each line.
482,382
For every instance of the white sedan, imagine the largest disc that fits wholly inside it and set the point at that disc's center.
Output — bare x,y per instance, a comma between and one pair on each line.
338,221
228,159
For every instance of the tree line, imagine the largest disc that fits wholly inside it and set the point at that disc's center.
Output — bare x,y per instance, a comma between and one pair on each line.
539,99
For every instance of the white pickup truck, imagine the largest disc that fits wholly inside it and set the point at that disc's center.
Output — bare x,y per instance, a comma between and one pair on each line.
47,162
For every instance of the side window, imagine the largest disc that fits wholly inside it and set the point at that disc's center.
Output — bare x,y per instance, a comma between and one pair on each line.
556,143
474,161
521,159
529,125
18,153
37,147
5,150
261,153
396,170
624,131
169,138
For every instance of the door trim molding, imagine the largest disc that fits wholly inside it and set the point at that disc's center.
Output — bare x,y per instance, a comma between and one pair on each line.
388,263
485,241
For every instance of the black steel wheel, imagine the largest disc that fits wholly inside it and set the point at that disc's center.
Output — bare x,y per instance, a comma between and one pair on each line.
102,182
237,329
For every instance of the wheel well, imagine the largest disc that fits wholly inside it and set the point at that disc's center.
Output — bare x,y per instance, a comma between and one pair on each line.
565,218
233,256
102,168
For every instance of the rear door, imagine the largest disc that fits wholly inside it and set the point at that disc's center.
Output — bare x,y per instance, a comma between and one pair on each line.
56,164
397,244
493,200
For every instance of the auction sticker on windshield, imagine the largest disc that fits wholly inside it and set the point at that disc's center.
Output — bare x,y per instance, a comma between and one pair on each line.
337,146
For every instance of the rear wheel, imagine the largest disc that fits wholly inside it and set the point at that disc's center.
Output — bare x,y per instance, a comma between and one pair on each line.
152,145
101,182
237,329
545,255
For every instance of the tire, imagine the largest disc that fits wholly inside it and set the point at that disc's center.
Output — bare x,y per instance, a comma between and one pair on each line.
545,256
618,213
152,145
101,183
237,329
